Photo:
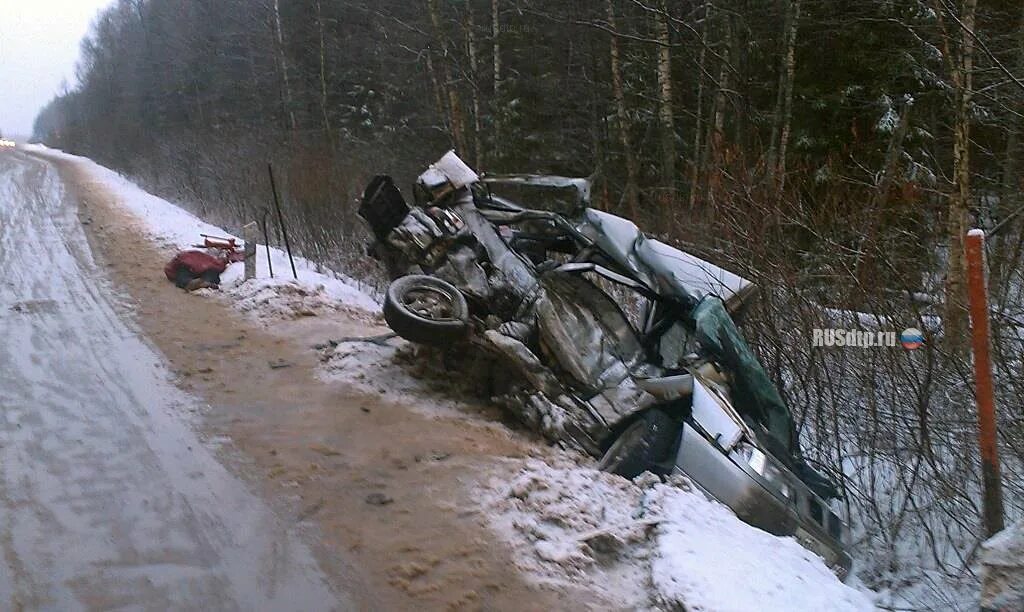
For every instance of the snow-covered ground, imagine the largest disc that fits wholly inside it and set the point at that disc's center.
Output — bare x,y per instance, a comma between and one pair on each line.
1002,560
644,544
653,545
415,376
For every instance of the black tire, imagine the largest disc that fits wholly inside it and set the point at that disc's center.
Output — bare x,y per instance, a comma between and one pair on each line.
183,276
644,446
426,310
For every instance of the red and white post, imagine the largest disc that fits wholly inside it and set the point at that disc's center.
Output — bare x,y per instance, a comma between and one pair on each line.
977,291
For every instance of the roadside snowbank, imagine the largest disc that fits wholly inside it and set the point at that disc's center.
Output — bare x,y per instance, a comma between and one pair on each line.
417,376
1002,559
317,290
652,545
284,298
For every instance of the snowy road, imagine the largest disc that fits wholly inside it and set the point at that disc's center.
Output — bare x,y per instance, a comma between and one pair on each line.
107,498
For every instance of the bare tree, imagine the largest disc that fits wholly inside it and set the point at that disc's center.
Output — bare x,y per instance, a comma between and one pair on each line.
282,60
666,114
632,192
782,124
961,72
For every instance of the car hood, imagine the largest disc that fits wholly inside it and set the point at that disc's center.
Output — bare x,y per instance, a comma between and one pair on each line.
663,268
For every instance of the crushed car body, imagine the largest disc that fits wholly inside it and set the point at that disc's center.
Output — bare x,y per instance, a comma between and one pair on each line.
622,345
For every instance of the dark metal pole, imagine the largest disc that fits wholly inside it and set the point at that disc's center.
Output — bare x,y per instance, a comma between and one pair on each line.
280,219
992,499
266,240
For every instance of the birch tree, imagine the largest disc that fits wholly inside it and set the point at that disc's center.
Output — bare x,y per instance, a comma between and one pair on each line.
282,60
631,194
961,71
666,114
782,124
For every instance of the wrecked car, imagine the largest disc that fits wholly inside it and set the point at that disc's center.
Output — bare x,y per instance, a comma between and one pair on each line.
620,344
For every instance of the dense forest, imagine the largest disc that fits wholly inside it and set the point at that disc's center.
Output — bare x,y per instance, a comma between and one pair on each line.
835,151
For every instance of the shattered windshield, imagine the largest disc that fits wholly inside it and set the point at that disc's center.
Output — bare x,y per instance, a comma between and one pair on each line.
754,396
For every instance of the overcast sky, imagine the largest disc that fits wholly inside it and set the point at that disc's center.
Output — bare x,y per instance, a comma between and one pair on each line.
38,49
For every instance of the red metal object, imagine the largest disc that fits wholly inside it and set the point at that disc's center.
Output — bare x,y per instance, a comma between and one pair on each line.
197,263
229,246
978,294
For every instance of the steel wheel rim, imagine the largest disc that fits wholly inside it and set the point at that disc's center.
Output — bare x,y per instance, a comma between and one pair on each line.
430,303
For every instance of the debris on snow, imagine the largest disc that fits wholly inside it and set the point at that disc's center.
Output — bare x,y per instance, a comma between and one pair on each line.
264,297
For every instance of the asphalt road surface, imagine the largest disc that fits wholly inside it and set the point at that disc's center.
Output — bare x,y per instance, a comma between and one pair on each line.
107,498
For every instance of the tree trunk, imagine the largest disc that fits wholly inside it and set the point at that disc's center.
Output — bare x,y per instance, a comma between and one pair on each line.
282,60
716,130
955,320
1011,186
474,66
435,85
892,158
631,194
875,211
699,112
718,121
496,74
665,114
323,77
455,122
786,91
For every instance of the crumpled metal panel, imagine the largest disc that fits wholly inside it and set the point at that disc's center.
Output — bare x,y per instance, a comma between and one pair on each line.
415,236
663,268
618,238
528,363
462,270
548,407
587,351
581,186
680,271
716,416
515,270
590,339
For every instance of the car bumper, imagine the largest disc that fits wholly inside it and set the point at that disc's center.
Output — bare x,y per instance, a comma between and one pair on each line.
721,478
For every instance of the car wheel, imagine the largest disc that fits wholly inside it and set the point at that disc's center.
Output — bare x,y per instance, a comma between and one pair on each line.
643,446
426,310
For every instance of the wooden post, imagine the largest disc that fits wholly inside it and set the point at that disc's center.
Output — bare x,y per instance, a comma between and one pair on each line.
978,298
249,235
